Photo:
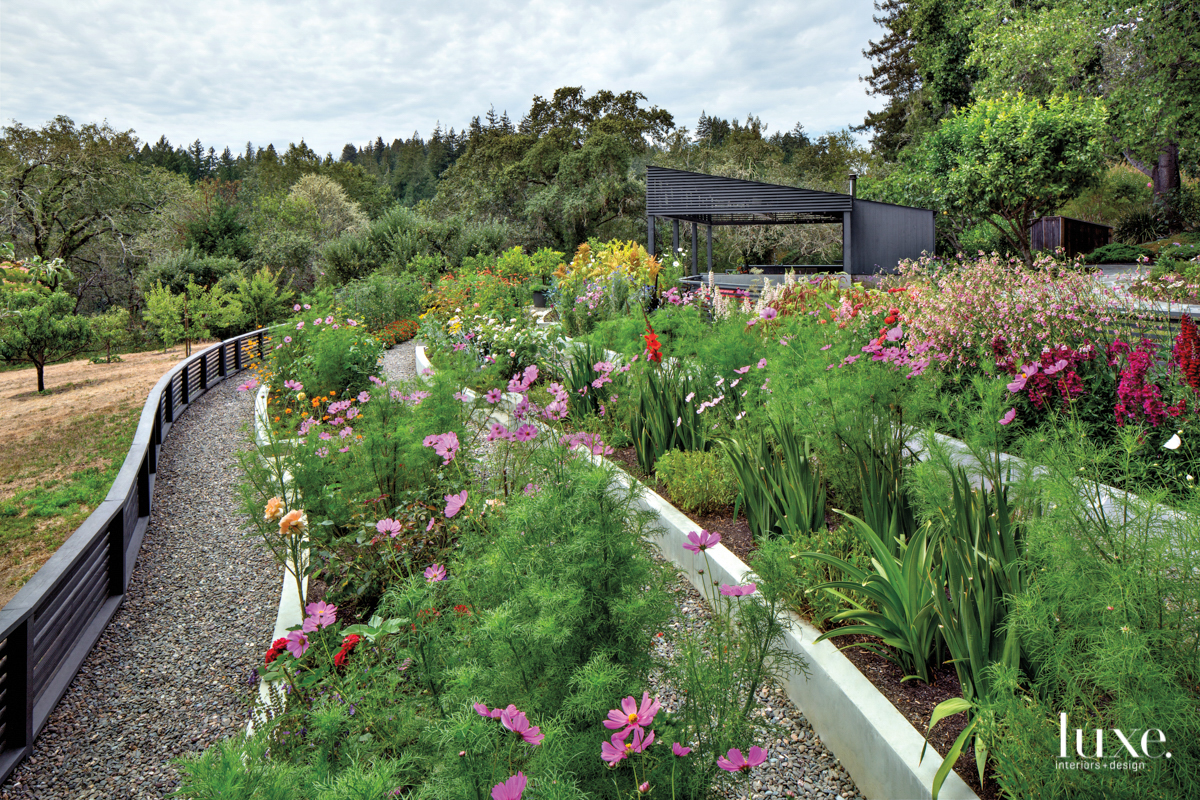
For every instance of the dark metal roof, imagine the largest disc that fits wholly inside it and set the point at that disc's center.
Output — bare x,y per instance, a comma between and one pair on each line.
713,200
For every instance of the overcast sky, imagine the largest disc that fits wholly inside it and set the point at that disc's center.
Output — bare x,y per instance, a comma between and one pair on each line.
232,71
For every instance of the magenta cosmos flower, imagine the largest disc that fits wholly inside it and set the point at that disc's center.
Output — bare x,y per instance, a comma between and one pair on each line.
389,526
680,750
702,540
624,744
734,762
493,396
737,591
455,502
1009,417
768,314
630,715
483,711
297,643
321,613
518,723
435,573
511,789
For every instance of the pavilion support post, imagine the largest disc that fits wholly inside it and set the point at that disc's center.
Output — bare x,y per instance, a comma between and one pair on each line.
710,248
650,235
847,262
695,250
674,237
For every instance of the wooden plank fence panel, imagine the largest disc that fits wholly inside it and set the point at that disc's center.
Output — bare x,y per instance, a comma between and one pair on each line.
55,633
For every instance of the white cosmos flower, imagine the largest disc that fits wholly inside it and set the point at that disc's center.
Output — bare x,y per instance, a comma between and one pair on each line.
1173,443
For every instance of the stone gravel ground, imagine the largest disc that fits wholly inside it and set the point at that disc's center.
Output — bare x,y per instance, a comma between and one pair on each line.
168,675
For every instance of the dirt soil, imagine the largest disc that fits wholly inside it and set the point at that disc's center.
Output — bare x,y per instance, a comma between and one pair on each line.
72,388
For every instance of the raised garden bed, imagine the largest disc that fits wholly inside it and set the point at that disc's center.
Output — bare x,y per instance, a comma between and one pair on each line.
874,741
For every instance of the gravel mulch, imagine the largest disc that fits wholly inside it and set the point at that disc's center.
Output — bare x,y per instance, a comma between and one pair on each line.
168,675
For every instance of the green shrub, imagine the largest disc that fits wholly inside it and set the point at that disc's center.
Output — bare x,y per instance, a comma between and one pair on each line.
1118,253
696,480
382,298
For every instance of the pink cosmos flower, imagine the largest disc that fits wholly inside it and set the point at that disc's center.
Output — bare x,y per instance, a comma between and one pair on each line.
297,643
701,541
615,749
364,396
680,750
738,591
493,396
483,711
525,433
518,723
455,502
389,526
287,340
296,307
743,370
322,613
1009,417
321,452
643,787
768,314
511,789
435,573
631,715
762,363
735,762
641,739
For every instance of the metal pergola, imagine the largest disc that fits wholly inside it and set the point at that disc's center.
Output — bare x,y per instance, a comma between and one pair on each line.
875,236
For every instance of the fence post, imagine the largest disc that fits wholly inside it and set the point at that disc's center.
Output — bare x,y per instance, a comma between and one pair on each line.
260,345
204,371
221,359
115,534
170,397
18,706
184,393
237,355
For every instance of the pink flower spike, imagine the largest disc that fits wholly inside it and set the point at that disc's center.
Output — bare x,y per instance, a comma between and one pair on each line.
455,502
1009,417
735,762
702,540
435,573
511,789
738,591
680,750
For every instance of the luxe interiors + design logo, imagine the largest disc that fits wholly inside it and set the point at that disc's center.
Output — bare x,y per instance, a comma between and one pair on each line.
1126,753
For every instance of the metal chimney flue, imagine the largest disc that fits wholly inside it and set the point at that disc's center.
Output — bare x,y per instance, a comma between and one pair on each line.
853,184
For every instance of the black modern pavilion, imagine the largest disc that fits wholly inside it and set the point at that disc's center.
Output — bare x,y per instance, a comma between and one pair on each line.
875,236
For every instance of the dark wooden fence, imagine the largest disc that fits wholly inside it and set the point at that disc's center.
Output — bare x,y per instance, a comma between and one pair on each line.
1075,236
48,629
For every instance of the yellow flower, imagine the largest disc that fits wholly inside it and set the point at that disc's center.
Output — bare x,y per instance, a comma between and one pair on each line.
274,509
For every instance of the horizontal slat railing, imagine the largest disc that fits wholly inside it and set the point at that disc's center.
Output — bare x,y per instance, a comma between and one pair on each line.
48,629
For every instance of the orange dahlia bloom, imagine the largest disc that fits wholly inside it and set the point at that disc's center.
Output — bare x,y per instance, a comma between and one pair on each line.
293,523
274,509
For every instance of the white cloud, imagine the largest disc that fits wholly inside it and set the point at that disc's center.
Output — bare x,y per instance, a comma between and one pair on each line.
228,71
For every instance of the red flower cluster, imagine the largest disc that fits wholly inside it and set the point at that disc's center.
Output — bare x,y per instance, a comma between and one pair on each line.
348,645
277,649
653,345
462,610
893,315
1187,352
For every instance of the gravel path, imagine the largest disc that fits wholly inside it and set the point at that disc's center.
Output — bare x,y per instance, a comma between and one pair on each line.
799,764
168,675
